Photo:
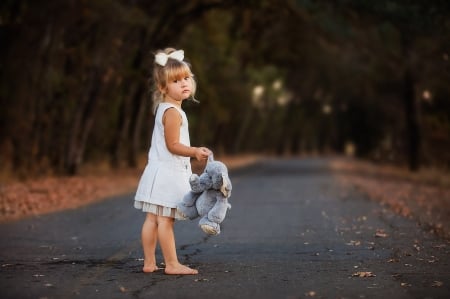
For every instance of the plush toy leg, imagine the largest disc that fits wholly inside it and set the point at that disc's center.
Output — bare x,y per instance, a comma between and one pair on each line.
187,207
211,228
219,211
189,199
187,212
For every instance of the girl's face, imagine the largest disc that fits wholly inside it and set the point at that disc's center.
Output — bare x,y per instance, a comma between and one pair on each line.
179,89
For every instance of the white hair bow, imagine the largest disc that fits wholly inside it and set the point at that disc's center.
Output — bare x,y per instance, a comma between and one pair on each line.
161,58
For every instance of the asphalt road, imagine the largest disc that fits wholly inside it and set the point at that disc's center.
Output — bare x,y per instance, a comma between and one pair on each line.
292,232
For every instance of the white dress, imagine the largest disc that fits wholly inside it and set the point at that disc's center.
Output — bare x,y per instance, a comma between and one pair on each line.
166,176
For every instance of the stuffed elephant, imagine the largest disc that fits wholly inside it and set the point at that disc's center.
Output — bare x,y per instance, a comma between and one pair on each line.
208,197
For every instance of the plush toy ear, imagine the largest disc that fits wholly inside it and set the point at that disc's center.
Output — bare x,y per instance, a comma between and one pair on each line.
225,183
211,157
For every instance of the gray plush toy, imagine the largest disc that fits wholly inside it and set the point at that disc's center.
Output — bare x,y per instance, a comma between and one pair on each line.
208,197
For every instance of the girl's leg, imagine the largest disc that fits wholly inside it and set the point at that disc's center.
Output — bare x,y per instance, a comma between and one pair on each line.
149,237
166,239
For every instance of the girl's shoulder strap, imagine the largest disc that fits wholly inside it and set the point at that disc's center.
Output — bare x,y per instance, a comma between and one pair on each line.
162,107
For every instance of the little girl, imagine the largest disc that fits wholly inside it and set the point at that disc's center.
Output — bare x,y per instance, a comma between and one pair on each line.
166,177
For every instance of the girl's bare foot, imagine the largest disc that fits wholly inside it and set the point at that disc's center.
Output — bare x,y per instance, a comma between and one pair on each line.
149,268
180,270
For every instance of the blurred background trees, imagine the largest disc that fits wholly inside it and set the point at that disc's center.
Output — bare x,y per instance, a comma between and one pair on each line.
275,77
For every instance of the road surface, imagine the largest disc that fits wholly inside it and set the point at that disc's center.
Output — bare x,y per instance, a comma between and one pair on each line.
292,232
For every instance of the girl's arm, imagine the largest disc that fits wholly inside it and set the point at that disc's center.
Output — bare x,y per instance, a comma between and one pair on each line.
172,123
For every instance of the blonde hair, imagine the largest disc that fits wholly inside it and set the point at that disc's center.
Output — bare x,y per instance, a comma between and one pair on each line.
172,70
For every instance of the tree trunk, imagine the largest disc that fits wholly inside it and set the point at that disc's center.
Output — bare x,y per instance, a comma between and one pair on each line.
138,115
82,125
118,142
412,117
412,108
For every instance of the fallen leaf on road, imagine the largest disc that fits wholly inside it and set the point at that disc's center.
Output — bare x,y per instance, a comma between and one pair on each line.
311,294
123,289
7,265
393,261
353,243
381,234
439,246
437,284
363,218
363,274
404,284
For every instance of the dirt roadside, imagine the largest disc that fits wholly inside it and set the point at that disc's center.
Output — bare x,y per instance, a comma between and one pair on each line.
423,196
19,199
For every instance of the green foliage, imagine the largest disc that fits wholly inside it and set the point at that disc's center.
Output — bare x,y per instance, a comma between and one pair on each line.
74,77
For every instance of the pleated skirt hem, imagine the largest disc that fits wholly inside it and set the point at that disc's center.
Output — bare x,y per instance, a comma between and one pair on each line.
158,210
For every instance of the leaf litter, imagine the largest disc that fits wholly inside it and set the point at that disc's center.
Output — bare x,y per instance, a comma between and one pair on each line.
422,196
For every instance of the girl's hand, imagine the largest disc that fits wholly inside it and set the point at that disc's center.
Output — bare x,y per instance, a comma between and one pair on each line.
202,153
